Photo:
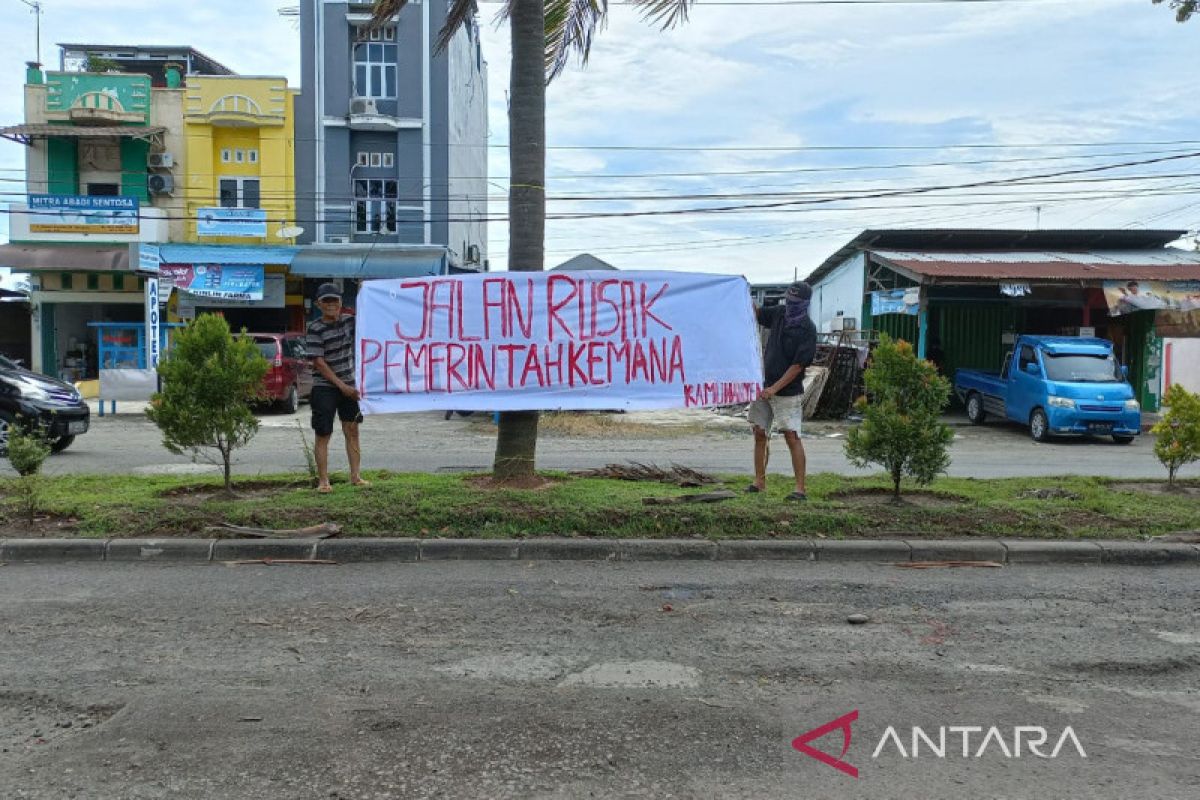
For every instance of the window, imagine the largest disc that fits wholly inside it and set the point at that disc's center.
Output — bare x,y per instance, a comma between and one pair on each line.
239,193
239,156
376,159
1027,357
389,160
385,34
375,206
252,156
374,69
226,155
103,189
363,159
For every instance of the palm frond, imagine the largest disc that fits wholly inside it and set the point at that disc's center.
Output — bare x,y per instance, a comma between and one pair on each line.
459,14
665,13
570,27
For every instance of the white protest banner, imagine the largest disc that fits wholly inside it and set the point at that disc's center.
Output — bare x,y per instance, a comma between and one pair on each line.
556,340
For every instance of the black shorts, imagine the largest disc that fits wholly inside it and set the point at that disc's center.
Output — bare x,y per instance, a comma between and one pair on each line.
325,401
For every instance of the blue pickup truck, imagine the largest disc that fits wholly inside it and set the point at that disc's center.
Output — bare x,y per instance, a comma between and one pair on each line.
1057,385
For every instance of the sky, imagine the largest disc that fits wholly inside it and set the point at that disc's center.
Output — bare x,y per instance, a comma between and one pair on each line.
790,105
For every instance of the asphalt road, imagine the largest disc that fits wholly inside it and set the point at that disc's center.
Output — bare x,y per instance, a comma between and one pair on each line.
128,442
596,680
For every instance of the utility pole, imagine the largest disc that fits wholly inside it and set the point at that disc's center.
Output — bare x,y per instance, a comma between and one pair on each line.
37,14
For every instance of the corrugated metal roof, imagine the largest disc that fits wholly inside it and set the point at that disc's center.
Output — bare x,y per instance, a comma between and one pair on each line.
991,239
34,130
1166,264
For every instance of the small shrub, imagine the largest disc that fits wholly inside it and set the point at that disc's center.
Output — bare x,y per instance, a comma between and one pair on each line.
901,428
1178,432
28,449
209,382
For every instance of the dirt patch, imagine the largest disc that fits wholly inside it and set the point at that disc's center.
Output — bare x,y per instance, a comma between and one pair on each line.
44,525
241,490
29,721
1160,487
594,425
534,483
914,499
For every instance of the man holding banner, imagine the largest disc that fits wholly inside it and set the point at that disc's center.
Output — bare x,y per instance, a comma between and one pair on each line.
791,346
330,345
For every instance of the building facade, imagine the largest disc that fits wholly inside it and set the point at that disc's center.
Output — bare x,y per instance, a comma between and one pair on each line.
392,135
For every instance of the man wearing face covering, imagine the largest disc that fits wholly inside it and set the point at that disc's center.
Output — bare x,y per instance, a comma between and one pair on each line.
791,345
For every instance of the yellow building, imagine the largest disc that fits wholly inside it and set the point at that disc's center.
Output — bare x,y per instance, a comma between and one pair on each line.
238,181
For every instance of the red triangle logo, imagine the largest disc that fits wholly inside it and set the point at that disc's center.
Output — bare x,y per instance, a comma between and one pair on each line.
843,722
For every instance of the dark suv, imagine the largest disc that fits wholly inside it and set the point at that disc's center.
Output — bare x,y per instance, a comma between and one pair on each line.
28,396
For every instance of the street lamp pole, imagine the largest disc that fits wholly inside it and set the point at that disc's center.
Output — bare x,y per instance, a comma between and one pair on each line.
37,25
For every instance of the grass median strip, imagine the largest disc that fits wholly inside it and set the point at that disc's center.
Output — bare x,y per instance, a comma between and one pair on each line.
457,505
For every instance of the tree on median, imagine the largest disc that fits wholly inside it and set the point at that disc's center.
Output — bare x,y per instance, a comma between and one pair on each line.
1177,434
544,36
901,428
209,381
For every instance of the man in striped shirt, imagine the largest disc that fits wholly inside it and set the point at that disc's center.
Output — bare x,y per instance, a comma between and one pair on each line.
330,345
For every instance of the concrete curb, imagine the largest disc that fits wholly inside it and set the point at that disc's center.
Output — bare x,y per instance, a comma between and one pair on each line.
409,550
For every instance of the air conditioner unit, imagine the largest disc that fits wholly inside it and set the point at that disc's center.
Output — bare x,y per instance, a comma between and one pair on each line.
473,254
337,240
160,161
363,105
161,184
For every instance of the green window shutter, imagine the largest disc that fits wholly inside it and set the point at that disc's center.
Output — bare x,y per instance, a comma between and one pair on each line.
118,282
93,281
68,281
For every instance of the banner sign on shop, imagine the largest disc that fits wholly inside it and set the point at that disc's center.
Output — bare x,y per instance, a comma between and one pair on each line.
227,281
896,301
251,222
50,213
1125,297
273,296
578,341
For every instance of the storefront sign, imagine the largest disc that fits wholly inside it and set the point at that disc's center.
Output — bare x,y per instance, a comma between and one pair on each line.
1125,297
583,340
149,258
1015,289
223,281
49,213
247,222
896,301
273,296
153,318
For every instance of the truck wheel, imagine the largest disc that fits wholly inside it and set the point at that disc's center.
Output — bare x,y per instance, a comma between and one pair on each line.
975,411
1122,439
1039,426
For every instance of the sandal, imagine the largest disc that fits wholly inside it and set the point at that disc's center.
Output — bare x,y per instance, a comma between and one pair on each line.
798,497
752,489
360,482
324,489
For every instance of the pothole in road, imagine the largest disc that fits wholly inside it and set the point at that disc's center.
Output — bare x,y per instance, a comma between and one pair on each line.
29,720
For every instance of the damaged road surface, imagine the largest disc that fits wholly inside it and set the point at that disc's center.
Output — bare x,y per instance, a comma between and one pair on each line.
597,680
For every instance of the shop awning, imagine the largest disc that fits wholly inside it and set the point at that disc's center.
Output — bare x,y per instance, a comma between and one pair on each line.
363,261
24,257
226,254
29,131
1161,264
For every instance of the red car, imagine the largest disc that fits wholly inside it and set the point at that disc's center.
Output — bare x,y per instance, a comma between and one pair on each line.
289,380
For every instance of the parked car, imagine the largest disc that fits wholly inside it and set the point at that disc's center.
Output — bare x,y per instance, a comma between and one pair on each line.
290,378
1057,385
33,398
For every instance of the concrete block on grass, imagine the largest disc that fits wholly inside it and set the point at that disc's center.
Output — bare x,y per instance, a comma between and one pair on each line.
1031,551
16,550
254,549
864,550
469,549
366,549
563,549
1142,553
173,550
956,550
767,550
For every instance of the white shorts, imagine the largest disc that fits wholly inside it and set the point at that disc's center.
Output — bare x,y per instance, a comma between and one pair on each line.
778,413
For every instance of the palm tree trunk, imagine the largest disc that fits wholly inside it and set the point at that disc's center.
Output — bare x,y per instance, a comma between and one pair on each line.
516,442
